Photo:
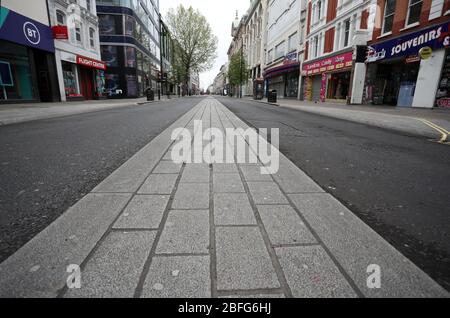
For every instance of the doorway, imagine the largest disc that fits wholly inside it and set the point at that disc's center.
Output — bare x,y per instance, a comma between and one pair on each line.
87,83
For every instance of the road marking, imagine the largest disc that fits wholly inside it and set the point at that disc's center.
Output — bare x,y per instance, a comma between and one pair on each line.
444,133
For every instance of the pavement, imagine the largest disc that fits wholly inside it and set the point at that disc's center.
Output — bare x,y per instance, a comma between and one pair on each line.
154,228
20,113
428,123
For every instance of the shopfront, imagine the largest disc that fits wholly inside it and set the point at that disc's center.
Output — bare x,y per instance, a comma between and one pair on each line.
284,79
27,61
328,79
443,93
416,62
84,78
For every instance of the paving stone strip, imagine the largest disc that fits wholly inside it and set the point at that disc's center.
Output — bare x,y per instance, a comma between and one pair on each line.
159,229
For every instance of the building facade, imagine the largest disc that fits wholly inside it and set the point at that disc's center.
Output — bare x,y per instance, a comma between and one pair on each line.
81,72
168,86
130,46
27,53
283,33
408,61
237,47
335,28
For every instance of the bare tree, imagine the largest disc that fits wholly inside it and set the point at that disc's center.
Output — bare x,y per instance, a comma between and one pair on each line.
196,44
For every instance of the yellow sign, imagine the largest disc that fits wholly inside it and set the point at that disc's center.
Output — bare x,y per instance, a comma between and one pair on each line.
425,53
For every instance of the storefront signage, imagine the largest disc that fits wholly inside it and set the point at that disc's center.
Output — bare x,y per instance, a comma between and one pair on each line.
19,29
60,32
425,53
290,58
91,63
330,64
435,37
443,102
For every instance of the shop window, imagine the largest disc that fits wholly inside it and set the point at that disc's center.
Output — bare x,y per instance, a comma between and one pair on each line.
70,80
130,57
92,38
338,86
109,55
112,85
15,74
389,13
60,17
414,10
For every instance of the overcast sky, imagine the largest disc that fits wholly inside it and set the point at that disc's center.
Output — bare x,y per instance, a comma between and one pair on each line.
220,15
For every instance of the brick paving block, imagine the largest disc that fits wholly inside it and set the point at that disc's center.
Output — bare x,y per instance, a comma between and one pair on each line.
225,168
159,184
167,167
284,226
185,232
310,273
178,277
143,212
195,173
253,173
266,193
228,183
243,261
115,268
191,197
233,209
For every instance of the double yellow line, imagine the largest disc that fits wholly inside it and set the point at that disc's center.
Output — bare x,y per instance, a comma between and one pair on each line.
444,133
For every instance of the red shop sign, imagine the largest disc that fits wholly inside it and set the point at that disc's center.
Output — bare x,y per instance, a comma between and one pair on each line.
444,102
329,64
91,63
60,32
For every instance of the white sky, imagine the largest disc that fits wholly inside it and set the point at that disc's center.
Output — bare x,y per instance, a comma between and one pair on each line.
220,15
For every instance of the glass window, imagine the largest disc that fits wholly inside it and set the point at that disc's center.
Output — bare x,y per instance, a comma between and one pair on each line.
389,13
88,5
78,32
110,24
346,32
15,75
293,39
92,37
109,55
129,25
415,8
280,50
70,79
60,17
130,56
112,84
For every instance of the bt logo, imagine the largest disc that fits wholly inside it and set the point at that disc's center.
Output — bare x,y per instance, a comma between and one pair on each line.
31,33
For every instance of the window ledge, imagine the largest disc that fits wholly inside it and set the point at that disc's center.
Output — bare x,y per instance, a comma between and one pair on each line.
384,35
413,25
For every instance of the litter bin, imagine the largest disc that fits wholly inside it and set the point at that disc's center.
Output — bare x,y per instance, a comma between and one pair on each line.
272,98
150,95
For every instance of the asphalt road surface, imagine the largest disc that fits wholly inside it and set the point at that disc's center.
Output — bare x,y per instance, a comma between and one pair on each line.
46,166
397,184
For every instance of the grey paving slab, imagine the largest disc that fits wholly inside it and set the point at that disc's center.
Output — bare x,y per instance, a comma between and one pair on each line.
293,180
284,226
233,209
310,273
185,232
116,266
143,212
266,193
178,277
195,173
39,268
253,173
167,167
191,197
159,184
243,261
356,246
225,168
227,183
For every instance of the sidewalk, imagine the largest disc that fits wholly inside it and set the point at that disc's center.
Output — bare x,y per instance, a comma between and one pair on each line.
19,113
157,229
404,120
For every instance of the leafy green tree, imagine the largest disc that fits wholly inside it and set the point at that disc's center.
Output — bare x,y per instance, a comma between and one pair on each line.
196,45
237,70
